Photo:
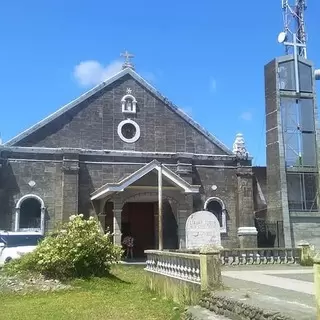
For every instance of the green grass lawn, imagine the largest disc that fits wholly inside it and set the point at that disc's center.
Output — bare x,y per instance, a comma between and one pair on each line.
122,296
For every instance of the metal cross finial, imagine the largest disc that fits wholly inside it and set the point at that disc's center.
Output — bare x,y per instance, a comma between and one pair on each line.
127,62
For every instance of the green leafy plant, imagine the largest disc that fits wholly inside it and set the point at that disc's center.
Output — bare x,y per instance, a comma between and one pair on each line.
77,249
307,262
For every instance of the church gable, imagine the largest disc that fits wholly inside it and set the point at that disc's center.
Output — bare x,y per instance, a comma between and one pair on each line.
123,113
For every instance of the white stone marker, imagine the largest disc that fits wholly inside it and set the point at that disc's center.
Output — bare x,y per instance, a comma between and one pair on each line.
202,229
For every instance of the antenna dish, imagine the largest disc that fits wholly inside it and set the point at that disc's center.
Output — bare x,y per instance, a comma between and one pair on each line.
282,37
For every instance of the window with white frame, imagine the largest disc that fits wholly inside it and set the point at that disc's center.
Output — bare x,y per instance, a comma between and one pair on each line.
129,131
217,207
30,214
129,104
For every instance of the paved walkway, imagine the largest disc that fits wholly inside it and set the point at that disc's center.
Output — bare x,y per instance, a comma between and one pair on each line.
285,279
285,288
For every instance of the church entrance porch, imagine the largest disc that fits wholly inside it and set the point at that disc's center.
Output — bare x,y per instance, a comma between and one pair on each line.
131,205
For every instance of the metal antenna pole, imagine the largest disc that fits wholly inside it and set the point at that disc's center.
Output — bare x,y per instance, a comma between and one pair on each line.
294,27
293,19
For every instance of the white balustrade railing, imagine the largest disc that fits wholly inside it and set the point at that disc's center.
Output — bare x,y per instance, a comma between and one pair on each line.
182,266
260,256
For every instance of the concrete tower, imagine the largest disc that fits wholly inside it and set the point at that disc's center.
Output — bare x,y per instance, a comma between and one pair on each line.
292,140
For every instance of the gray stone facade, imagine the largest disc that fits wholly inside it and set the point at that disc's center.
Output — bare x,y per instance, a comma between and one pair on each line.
77,151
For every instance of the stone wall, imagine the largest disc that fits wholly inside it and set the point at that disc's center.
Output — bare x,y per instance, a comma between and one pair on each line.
260,191
16,176
226,182
94,175
238,310
62,191
307,229
275,181
93,125
65,178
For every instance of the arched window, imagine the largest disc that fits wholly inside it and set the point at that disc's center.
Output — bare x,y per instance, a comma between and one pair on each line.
30,214
217,207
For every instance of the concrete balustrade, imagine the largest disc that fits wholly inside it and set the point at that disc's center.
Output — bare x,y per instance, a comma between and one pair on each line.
183,276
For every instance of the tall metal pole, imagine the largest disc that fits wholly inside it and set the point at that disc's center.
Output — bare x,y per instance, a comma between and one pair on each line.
294,23
296,66
160,208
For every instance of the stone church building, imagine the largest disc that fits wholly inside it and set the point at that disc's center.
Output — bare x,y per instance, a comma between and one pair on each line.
100,154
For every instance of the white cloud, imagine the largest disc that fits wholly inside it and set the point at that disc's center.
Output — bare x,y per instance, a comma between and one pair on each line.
247,116
91,72
213,85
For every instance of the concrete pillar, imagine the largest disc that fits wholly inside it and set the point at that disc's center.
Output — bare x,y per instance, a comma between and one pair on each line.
247,231
316,270
210,268
185,208
306,258
70,185
117,212
248,237
182,219
156,225
17,220
43,220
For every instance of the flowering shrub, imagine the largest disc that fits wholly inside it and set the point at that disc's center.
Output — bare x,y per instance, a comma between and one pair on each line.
76,249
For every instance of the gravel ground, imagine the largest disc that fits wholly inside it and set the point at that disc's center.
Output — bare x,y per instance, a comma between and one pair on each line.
27,284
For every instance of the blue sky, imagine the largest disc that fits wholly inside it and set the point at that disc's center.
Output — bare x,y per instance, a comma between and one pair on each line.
206,56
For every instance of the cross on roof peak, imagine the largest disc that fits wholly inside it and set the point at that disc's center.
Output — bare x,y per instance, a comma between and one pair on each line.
127,60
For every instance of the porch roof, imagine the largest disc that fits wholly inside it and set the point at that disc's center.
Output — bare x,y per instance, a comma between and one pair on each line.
175,179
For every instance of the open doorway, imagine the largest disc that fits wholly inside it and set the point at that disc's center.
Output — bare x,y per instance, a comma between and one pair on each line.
138,220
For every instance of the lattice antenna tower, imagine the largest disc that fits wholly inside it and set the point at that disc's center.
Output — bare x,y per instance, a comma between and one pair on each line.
294,24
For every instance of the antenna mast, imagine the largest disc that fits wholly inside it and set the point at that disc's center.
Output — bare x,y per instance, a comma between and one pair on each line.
293,19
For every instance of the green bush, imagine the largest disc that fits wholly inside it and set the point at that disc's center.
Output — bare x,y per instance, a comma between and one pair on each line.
307,262
77,249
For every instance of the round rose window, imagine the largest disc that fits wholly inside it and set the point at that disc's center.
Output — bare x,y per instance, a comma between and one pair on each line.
128,131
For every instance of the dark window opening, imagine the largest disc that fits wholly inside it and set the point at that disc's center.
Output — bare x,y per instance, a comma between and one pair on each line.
128,130
129,104
302,191
216,208
30,214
